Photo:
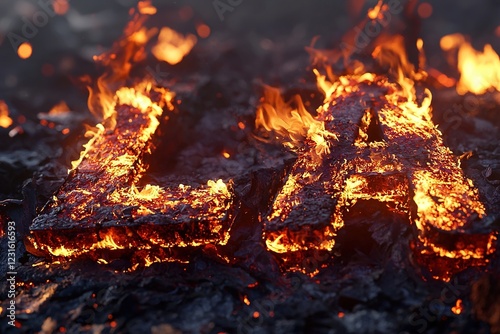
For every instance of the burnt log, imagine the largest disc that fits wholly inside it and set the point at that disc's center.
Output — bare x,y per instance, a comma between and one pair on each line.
101,208
387,150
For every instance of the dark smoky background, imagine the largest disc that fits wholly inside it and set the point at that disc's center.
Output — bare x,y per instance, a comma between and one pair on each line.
66,43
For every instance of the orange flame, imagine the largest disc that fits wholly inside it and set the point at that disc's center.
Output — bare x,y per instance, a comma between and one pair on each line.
61,7
59,109
172,47
392,53
203,30
295,124
479,70
118,63
110,89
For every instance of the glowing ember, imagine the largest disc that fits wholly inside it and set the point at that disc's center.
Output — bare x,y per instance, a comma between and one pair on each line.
479,70
375,11
458,307
172,47
5,120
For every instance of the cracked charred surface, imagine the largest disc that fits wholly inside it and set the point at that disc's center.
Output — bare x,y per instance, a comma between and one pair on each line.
389,152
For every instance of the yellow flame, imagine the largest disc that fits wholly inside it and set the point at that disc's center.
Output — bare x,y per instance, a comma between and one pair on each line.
147,193
136,97
218,187
172,47
107,243
479,70
93,134
392,53
294,123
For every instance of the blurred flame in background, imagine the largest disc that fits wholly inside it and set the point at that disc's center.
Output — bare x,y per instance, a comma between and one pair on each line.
146,8
25,50
61,7
118,63
375,11
172,47
59,109
5,120
479,70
